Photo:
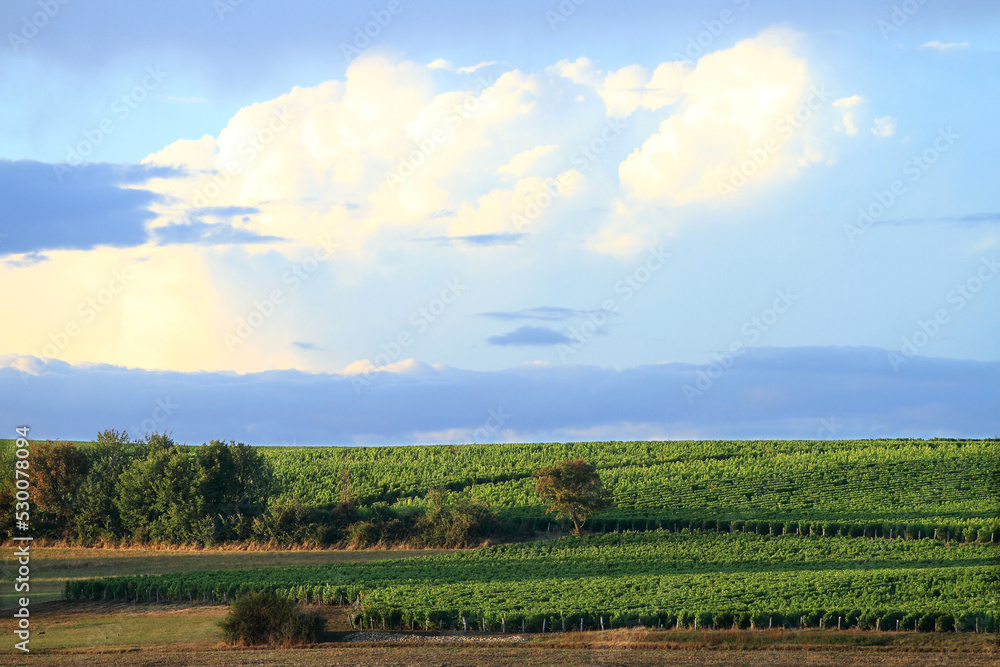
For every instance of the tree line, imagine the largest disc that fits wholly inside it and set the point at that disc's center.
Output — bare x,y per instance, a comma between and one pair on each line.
118,490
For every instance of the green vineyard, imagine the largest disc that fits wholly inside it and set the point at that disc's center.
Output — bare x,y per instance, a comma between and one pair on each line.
652,578
917,488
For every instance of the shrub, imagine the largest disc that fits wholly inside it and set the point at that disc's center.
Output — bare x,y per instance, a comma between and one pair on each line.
452,522
265,618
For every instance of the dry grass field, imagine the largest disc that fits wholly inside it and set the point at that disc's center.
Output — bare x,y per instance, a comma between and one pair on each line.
51,567
140,635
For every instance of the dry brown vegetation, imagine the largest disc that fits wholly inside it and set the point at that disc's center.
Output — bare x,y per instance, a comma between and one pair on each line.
141,635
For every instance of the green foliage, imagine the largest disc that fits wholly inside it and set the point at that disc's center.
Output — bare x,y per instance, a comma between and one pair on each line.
454,523
57,471
287,522
97,514
155,441
717,578
209,495
265,618
848,484
367,496
235,483
114,437
572,489
159,499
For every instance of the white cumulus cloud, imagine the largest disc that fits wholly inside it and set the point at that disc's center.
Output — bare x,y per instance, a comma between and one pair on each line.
884,126
745,112
846,105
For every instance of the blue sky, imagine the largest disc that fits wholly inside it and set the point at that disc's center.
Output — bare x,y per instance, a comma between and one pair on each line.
704,194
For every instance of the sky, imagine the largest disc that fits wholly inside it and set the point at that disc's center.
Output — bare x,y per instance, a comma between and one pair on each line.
396,222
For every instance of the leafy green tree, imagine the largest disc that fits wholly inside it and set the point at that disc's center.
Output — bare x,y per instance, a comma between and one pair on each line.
572,489
209,495
7,519
7,499
160,498
154,441
97,515
114,437
235,482
57,471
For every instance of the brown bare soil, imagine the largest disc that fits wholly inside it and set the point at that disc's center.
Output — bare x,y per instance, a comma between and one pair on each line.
485,656
148,635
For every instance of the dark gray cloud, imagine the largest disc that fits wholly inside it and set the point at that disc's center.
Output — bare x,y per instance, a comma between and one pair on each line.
765,393
529,335
74,208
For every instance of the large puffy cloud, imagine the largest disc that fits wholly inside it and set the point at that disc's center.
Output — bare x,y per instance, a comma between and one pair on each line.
776,393
397,151
387,149
745,114
380,151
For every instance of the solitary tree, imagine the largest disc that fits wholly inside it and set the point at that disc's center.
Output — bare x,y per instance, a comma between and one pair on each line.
572,489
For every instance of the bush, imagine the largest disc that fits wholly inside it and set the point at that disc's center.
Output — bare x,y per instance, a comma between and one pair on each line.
265,618
450,522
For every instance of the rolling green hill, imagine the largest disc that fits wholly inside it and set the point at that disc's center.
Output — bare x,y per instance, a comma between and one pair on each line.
858,486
